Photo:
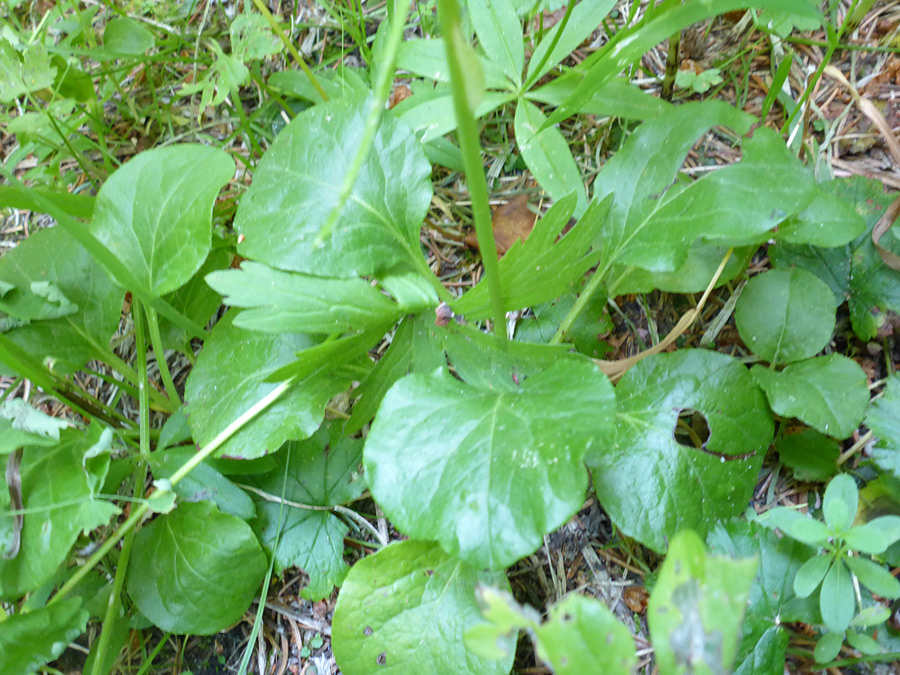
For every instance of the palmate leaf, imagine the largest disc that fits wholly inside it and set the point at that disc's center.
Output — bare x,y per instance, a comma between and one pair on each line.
883,419
322,471
494,468
406,610
673,486
296,186
538,270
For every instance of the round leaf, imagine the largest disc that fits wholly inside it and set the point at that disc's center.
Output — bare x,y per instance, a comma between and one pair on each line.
154,214
297,185
487,472
841,502
651,485
785,315
406,610
829,393
195,570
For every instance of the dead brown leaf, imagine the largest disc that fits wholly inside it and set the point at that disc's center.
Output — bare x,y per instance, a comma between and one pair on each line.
636,598
399,93
885,223
510,222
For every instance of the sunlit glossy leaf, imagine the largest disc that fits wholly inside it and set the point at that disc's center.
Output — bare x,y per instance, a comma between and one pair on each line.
406,609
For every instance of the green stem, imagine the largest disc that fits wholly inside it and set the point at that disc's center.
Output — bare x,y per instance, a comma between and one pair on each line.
580,303
556,37
140,348
290,46
467,133
160,353
381,91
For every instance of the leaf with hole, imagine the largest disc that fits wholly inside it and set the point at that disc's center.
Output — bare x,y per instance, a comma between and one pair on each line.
185,583
671,486
495,469
406,610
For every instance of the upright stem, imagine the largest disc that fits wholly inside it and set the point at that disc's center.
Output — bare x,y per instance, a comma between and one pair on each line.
467,133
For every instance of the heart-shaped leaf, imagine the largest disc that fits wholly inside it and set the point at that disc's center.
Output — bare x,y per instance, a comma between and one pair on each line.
829,393
648,482
406,609
322,471
495,469
785,315
186,583
230,376
297,184
154,214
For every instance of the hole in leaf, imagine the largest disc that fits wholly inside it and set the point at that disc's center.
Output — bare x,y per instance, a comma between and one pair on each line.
692,429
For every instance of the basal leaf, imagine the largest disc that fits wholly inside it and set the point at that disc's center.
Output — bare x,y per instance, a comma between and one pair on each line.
29,641
541,268
883,419
297,184
286,302
322,471
548,156
855,272
500,35
195,570
154,214
52,255
59,488
785,315
696,610
230,376
494,470
829,393
406,609
680,486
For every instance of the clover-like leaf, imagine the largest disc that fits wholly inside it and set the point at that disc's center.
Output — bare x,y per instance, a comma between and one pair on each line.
785,315
195,570
829,393
322,471
406,610
230,376
494,469
297,185
154,214
679,486
29,641
697,608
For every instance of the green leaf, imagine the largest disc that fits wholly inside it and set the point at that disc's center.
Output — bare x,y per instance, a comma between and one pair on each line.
836,600
59,495
855,272
875,536
812,456
500,35
811,575
828,647
230,376
52,255
430,114
406,610
428,59
617,98
495,469
26,74
226,74
874,577
29,641
864,643
871,616
548,156
542,268
126,37
413,292
286,302
20,425
682,487
883,418
251,38
582,636
76,205
827,222
202,483
697,607
796,525
296,186
505,618
154,213
195,570
322,471
785,315
343,81
829,393
585,17
841,502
